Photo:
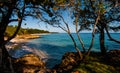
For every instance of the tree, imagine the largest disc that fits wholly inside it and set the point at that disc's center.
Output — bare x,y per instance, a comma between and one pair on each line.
113,16
100,26
108,14
17,11
83,22
76,17
111,13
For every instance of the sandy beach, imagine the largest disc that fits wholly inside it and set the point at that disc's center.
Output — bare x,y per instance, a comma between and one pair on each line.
24,38
18,42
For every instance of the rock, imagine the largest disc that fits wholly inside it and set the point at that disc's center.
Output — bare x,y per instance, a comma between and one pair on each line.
29,63
69,60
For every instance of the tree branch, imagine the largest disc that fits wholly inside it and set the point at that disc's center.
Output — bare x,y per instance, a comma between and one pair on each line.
93,33
65,23
13,20
77,31
62,28
115,28
112,39
20,17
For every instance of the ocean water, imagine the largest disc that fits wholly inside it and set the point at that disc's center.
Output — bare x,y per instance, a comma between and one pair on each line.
56,45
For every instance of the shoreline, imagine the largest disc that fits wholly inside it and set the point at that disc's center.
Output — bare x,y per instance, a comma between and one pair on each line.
25,38
28,36
20,46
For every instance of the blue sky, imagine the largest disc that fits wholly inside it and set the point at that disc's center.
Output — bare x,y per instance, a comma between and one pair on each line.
35,24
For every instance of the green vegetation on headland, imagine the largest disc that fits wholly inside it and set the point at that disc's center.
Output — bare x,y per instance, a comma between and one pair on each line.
23,31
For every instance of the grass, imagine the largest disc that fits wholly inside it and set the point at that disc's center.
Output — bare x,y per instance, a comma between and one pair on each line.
95,67
95,63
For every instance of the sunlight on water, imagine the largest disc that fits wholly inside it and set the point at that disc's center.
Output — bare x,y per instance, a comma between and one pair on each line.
23,49
40,53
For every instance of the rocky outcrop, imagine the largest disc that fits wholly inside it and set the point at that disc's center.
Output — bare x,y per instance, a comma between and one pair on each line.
69,60
29,63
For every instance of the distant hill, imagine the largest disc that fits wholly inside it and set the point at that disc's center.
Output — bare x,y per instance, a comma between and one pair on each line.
11,29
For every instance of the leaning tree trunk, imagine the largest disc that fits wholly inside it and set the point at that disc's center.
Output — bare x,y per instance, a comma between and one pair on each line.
4,55
77,49
102,41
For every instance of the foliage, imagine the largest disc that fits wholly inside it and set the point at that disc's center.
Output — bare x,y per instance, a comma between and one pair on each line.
11,29
95,67
97,63
32,31
106,14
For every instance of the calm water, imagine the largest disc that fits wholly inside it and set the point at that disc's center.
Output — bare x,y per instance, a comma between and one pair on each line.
55,45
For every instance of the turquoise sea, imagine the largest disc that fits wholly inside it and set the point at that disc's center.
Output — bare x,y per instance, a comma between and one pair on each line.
55,45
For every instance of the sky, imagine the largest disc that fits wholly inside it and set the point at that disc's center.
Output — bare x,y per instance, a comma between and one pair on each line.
35,24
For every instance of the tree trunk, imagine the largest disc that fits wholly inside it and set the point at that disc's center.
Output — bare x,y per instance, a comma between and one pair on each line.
4,59
79,52
110,37
4,55
102,41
